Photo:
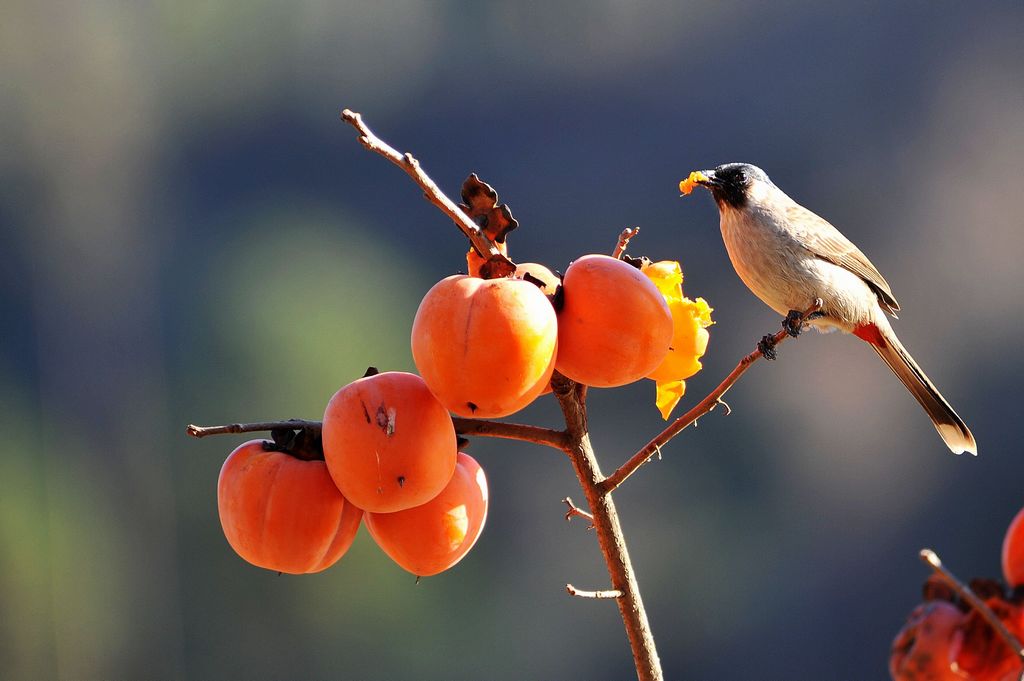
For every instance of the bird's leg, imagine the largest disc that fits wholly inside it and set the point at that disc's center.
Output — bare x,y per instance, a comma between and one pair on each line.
766,346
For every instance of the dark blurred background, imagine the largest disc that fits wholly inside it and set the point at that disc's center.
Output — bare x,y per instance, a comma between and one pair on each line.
189,234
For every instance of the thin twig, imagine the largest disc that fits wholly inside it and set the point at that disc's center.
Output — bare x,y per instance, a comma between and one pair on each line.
512,431
509,431
579,593
484,246
231,428
624,237
703,407
574,510
967,594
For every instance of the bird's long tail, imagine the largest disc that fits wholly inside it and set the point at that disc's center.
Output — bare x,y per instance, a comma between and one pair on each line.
951,427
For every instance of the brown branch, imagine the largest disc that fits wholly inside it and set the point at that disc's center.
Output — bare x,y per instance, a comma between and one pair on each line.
509,431
512,431
571,398
624,237
574,510
967,594
483,245
231,428
575,440
579,593
703,407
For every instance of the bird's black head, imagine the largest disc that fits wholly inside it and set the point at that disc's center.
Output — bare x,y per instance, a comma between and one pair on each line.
730,183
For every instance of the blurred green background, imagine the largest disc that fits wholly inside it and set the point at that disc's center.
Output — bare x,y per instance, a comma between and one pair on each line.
189,234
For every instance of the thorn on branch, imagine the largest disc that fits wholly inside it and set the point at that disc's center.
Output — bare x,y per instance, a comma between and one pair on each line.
728,409
579,593
576,511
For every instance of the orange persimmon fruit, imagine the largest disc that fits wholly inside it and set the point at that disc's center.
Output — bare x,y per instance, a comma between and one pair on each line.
282,513
389,444
928,645
485,347
548,285
433,537
1013,551
614,327
542,276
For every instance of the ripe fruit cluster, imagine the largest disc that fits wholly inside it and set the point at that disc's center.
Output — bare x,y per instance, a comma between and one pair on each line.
944,639
389,457
484,348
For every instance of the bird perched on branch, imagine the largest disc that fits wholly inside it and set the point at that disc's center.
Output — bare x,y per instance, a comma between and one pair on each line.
788,257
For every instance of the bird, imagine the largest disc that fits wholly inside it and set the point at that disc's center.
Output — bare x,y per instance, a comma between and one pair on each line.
788,257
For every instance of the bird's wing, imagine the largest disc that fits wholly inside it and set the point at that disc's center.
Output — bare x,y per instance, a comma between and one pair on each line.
827,243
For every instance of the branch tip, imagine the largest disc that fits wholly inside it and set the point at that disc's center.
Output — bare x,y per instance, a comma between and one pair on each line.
624,238
431,191
931,558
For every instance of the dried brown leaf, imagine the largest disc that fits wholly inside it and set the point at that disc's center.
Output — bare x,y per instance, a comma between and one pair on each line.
480,203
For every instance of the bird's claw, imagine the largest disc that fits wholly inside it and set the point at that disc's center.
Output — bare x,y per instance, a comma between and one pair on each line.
793,323
766,346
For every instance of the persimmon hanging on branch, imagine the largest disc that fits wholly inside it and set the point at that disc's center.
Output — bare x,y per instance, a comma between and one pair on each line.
966,632
485,344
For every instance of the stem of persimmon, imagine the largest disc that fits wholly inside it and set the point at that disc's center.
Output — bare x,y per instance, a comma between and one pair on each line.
623,243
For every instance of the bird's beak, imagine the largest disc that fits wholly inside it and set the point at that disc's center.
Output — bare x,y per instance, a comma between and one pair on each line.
705,178
708,179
